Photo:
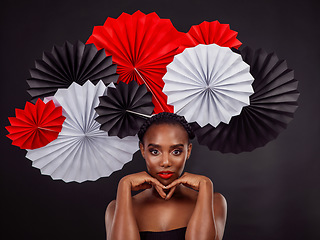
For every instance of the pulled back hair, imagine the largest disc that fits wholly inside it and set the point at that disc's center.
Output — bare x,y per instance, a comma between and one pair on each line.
166,117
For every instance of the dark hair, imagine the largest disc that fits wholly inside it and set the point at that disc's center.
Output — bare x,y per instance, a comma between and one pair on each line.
165,117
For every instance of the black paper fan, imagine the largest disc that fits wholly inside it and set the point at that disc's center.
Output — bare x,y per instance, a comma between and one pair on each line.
124,109
67,64
272,106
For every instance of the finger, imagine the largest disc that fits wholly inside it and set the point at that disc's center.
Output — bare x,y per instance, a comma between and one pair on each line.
169,195
155,182
152,179
186,181
173,184
160,191
142,186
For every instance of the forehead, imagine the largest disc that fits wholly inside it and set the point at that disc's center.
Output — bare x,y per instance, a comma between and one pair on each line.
166,133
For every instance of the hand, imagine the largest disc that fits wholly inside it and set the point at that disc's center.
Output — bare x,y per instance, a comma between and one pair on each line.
188,179
142,180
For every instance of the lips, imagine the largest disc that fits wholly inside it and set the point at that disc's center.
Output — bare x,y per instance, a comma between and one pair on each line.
165,174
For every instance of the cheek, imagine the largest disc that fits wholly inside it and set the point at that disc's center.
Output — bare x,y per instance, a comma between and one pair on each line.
181,166
180,163
150,164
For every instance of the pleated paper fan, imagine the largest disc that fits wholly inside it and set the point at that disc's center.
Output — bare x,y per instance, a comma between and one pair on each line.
271,108
36,125
67,64
208,84
209,33
141,46
124,109
82,151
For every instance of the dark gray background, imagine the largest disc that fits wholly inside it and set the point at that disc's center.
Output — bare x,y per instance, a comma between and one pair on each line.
272,192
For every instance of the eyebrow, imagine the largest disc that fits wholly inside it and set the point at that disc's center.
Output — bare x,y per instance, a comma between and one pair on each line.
173,146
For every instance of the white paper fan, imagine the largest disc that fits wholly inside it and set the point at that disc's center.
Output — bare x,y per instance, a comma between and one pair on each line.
208,84
82,151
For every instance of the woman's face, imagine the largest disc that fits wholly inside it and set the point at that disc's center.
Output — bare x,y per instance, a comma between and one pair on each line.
165,149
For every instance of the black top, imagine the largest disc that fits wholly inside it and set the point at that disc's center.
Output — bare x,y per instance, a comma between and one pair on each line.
176,234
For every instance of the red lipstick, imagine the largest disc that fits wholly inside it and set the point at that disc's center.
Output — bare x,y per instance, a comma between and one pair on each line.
165,174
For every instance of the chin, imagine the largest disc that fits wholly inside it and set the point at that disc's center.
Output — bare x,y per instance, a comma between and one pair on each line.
166,182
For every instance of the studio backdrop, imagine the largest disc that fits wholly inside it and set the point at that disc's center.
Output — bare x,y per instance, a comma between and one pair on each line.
270,180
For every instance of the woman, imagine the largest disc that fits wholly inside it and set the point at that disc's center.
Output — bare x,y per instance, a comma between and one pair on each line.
171,206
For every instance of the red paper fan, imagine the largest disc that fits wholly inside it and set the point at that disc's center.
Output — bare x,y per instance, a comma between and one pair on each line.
141,46
208,33
36,125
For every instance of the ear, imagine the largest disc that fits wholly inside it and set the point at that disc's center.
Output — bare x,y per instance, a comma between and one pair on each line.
189,150
141,149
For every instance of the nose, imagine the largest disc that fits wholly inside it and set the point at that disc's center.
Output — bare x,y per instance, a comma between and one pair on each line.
165,161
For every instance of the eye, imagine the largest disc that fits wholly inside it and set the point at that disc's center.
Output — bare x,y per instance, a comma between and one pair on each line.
177,152
154,151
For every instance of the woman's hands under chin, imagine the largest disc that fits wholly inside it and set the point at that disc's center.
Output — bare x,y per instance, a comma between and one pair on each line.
142,180
190,180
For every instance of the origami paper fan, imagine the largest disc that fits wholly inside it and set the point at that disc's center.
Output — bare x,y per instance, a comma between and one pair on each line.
208,33
82,151
271,108
36,125
124,109
208,84
67,64
141,46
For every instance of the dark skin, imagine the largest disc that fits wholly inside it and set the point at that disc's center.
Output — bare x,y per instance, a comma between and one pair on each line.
166,204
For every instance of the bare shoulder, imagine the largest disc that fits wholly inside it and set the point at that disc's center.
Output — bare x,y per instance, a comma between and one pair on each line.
220,206
220,213
111,207
109,215
219,199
